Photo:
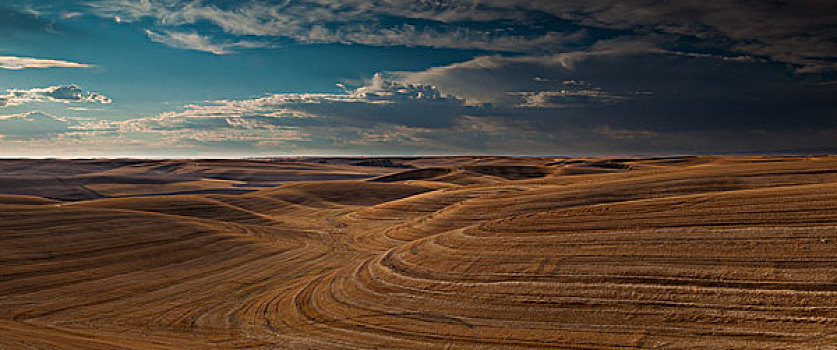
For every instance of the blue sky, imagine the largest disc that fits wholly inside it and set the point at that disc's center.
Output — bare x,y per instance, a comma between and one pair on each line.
201,78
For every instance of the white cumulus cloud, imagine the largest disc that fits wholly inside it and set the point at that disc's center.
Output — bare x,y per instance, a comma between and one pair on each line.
60,93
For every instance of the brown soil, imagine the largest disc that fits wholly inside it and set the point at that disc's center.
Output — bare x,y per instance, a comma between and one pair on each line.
507,253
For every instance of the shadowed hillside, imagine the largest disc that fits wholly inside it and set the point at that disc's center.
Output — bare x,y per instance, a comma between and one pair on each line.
434,253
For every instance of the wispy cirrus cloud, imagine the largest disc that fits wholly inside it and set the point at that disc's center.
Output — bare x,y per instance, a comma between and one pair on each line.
195,41
60,93
347,22
798,32
18,63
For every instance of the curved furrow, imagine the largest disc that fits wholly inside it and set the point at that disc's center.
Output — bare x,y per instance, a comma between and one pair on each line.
704,252
756,288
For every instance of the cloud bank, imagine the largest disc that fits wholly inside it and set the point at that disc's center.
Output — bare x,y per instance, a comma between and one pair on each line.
380,101
569,109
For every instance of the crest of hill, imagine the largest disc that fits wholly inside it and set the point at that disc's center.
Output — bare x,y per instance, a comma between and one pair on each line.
344,192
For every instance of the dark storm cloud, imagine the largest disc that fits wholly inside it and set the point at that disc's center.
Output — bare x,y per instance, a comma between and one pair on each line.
704,94
628,86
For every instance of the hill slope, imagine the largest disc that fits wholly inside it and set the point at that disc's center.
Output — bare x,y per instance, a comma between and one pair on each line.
706,252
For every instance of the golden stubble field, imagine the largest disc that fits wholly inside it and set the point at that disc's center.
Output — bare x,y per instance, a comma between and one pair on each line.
453,253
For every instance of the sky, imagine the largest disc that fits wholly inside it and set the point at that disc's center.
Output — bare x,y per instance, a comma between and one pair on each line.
212,78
